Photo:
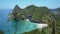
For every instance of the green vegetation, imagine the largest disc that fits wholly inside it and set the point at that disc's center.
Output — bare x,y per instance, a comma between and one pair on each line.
37,31
16,15
1,32
40,12
37,14
58,25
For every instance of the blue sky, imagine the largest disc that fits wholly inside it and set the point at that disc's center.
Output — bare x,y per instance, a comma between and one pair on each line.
9,4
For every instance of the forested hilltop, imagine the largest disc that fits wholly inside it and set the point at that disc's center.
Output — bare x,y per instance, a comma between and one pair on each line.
40,15
33,12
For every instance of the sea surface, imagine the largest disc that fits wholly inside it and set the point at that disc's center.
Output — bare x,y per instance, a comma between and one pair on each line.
9,28
4,25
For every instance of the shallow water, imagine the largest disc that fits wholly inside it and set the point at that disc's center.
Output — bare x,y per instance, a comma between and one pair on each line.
8,27
22,26
25,26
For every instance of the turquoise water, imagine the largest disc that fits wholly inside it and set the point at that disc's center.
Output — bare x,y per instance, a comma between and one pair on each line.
25,26
22,26
9,27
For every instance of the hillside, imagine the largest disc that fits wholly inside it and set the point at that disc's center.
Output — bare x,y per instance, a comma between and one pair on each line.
35,13
39,15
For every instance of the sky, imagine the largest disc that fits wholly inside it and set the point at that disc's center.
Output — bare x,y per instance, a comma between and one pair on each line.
9,4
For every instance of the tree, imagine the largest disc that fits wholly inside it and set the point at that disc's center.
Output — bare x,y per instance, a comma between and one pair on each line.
53,24
47,19
51,21
58,24
39,12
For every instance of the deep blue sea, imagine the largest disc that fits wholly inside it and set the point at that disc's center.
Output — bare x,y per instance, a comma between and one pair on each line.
4,25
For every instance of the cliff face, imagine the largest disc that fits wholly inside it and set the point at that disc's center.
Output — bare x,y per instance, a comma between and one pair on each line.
16,10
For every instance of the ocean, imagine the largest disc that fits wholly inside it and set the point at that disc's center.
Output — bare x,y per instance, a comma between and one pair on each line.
7,27
4,25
